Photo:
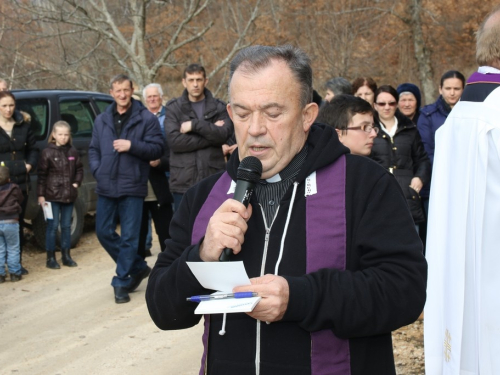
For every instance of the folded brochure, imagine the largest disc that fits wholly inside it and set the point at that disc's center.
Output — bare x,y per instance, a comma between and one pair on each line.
223,277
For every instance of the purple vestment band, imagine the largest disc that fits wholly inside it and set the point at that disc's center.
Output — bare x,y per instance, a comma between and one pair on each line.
217,196
483,78
326,248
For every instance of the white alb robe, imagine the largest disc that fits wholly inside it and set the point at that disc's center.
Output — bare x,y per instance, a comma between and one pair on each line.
462,313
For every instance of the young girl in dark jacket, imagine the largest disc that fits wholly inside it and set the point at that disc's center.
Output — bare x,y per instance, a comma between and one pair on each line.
60,172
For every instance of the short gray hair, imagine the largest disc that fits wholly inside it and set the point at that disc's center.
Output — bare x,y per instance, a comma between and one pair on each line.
339,85
253,59
156,85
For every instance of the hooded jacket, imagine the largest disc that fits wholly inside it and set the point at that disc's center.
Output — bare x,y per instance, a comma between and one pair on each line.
381,289
121,174
58,169
18,150
197,154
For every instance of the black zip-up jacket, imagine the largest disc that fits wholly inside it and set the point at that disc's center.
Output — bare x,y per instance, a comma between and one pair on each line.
404,156
19,150
197,154
382,288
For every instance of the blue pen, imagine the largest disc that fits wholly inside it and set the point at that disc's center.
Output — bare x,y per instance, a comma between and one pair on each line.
222,296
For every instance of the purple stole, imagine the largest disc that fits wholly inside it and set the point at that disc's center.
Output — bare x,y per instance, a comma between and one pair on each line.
483,78
326,248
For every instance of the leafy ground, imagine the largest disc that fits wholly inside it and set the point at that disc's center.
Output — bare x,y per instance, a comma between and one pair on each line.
408,343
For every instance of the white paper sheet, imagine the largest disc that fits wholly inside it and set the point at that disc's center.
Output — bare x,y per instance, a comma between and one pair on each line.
220,276
223,277
47,211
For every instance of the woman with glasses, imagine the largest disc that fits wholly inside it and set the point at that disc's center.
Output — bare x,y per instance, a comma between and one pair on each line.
352,118
399,148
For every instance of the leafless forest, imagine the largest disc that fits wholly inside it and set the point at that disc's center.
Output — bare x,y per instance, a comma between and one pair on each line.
80,44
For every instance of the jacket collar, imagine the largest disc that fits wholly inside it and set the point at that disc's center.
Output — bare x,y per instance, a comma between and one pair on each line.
210,103
135,116
442,106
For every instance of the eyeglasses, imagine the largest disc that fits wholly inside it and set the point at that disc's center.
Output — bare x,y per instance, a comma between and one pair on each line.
366,128
390,104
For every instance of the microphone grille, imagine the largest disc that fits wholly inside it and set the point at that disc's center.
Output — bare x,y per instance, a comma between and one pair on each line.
250,169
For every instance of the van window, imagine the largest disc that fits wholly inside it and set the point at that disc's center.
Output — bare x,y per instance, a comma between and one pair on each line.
102,104
38,109
79,115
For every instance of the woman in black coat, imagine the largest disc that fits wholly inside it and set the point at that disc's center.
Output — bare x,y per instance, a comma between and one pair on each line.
399,148
18,150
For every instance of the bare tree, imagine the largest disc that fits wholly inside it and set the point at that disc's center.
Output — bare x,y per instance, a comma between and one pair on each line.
422,53
142,37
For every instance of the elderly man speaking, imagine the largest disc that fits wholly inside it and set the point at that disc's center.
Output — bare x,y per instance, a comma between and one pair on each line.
327,240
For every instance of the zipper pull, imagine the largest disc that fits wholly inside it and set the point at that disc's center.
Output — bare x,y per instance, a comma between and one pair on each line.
267,235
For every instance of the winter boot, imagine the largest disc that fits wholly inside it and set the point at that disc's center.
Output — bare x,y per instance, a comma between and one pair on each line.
51,261
24,271
66,258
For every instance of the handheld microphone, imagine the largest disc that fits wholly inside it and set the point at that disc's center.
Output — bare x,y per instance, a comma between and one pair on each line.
249,173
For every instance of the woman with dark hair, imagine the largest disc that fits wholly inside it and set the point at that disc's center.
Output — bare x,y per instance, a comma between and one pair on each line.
398,148
17,150
434,115
364,88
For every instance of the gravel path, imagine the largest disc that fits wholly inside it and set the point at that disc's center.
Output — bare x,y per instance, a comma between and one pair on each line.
66,322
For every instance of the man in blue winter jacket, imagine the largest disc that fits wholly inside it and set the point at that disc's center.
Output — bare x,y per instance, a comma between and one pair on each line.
125,138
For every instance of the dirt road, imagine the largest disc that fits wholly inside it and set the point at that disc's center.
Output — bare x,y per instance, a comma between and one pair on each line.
65,322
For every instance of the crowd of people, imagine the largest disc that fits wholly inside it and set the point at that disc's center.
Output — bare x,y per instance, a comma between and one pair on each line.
399,134
197,138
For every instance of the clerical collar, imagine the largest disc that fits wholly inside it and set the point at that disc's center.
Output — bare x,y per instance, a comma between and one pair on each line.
488,70
291,170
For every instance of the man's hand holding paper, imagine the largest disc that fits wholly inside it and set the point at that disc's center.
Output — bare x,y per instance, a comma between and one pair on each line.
274,292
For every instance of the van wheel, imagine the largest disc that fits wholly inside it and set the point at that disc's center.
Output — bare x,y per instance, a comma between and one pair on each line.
77,222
